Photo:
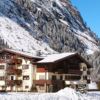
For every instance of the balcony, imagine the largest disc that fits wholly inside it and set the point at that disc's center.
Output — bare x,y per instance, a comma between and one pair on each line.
11,67
14,82
14,71
73,71
10,61
59,71
41,81
48,82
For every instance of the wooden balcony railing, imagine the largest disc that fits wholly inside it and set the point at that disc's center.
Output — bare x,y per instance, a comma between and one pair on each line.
14,82
14,71
73,71
47,82
10,61
11,67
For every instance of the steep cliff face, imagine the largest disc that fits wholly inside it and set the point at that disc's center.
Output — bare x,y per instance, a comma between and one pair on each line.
44,24
64,22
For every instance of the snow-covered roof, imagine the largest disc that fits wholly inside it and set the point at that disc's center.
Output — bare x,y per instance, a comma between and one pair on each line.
22,53
55,57
45,59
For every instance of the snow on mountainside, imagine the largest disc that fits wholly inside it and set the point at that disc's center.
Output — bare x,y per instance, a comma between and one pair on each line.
37,24
18,38
15,35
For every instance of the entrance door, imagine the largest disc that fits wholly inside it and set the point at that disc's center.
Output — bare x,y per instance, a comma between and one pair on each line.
55,88
12,78
11,88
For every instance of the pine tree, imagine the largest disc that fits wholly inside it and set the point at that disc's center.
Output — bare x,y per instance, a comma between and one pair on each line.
82,87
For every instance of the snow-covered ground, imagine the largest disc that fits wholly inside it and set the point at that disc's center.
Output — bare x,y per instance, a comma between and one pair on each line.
92,85
64,94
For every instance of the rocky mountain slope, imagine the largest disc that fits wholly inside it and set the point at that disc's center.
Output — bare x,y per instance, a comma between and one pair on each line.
46,25
16,32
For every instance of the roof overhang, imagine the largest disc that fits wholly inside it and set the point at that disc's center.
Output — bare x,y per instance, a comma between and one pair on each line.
76,54
23,55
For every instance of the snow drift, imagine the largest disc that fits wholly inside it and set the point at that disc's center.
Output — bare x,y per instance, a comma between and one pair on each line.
92,85
64,94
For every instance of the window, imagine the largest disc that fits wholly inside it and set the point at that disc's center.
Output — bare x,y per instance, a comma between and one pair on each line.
1,66
26,87
84,68
67,77
53,77
1,77
25,77
25,66
61,77
84,77
41,77
72,77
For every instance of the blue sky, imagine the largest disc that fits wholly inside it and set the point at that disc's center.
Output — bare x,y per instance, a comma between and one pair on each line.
90,11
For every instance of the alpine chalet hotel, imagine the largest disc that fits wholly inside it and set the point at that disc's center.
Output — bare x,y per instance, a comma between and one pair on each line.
20,70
